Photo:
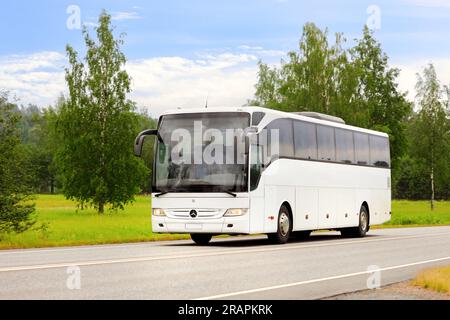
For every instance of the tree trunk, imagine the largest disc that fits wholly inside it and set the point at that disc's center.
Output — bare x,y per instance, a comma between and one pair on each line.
432,188
101,207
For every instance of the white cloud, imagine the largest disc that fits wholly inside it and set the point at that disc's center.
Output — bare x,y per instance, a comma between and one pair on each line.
91,24
407,79
260,51
227,78
37,78
246,47
125,15
116,16
172,82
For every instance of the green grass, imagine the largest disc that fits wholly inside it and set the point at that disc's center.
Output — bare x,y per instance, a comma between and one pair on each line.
68,226
418,213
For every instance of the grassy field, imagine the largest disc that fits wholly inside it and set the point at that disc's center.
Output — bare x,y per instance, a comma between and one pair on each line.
418,213
434,279
69,227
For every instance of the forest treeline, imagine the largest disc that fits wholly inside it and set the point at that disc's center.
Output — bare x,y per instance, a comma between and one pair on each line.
38,136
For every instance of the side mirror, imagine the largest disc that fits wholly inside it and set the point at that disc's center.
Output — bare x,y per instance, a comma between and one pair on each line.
139,143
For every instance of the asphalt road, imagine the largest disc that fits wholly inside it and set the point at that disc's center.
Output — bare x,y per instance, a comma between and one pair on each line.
236,268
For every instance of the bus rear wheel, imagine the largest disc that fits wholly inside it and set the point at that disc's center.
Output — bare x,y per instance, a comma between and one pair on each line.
201,239
361,230
284,227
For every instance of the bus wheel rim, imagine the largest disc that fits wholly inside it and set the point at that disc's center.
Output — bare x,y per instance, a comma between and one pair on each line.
363,221
284,224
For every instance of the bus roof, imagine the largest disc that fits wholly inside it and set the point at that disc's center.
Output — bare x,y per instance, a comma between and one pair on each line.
273,115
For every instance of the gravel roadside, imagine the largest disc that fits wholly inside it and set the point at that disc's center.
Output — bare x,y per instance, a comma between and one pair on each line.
398,291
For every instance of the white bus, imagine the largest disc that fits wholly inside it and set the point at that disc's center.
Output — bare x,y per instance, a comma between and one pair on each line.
324,175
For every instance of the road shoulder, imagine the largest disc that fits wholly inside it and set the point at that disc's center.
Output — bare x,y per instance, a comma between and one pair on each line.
398,291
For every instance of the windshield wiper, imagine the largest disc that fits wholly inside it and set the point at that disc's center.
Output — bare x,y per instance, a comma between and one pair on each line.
192,189
161,194
234,195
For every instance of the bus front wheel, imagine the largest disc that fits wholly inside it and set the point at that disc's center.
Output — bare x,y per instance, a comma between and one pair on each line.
201,239
284,227
361,230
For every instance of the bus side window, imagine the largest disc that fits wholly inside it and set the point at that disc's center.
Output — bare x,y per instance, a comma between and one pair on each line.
379,152
305,136
362,148
326,143
257,118
345,150
283,130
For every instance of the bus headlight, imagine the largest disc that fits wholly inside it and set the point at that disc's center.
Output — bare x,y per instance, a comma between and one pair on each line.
235,212
159,213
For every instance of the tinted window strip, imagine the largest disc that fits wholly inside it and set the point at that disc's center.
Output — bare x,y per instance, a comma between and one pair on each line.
329,162
335,149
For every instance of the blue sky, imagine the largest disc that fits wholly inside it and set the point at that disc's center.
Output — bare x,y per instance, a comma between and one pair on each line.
194,44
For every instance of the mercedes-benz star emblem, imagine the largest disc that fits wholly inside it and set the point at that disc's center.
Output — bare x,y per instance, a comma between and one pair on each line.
193,214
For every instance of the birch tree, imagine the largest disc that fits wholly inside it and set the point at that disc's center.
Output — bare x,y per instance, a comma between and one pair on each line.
97,125
431,125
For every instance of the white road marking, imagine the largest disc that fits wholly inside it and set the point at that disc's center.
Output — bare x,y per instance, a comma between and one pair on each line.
295,284
188,255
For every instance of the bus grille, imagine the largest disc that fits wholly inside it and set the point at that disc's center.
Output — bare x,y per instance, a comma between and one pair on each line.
202,213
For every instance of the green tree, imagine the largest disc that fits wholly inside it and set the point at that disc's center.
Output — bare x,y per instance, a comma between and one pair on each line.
267,87
307,81
431,130
377,96
15,214
97,125
410,180
357,84
36,128
447,104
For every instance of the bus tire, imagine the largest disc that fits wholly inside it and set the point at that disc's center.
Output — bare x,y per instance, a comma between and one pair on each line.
361,230
284,227
201,239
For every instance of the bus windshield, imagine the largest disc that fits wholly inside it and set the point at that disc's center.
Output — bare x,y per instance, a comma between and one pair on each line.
202,152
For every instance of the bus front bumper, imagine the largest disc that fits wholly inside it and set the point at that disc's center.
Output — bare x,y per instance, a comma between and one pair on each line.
224,225
211,209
